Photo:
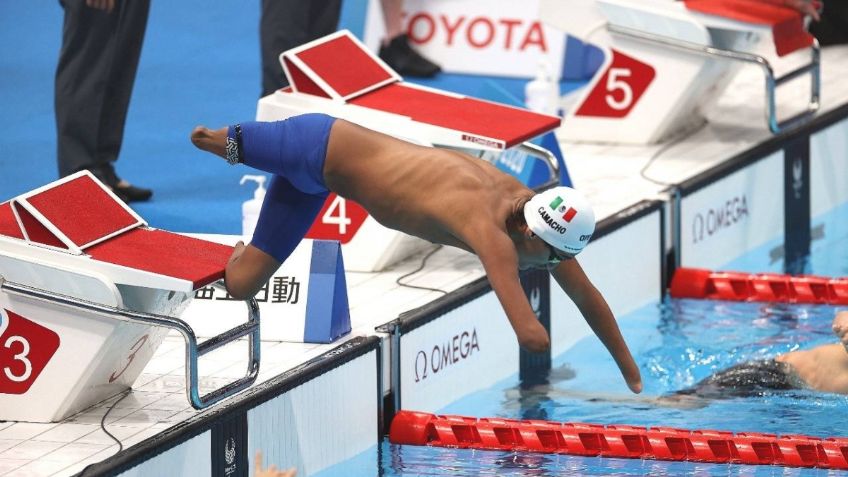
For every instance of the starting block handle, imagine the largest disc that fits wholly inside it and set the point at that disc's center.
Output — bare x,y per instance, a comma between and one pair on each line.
813,68
250,328
193,349
545,155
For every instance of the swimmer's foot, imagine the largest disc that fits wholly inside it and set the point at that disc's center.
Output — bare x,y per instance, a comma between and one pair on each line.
209,140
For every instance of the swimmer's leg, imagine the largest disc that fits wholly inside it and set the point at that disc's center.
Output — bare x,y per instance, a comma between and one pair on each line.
286,215
294,148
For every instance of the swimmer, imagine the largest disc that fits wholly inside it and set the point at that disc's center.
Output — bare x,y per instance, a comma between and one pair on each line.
446,197
823,368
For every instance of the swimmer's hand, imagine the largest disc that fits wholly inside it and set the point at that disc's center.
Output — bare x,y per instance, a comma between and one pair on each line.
272,471
840,327
630,372
532,336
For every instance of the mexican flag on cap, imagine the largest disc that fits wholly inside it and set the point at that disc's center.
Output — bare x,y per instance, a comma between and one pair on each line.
568,213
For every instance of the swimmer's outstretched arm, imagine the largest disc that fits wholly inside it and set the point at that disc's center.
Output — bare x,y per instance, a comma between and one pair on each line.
598,315
497,253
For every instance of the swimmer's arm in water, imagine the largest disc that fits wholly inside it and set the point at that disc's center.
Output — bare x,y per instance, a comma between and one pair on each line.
574,282
825,367
248,270
500,260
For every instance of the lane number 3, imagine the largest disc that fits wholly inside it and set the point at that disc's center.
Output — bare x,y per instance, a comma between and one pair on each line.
22,357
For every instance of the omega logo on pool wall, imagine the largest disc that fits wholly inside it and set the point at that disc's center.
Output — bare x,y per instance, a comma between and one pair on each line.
456,349
714,219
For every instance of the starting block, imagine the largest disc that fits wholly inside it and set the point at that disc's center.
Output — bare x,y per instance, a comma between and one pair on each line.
339,76
667,60
87,294
304,302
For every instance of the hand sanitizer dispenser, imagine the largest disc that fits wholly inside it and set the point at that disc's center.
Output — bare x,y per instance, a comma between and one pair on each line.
250,209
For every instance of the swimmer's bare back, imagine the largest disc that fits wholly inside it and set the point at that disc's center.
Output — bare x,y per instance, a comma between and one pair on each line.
442,196
439,195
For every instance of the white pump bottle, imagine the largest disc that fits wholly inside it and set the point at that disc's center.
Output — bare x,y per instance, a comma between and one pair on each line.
250,209
542,93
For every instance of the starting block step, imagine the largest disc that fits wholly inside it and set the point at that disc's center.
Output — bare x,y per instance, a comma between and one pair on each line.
304,302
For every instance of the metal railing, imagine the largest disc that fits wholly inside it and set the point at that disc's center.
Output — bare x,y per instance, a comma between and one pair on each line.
545,155
772,82
193,349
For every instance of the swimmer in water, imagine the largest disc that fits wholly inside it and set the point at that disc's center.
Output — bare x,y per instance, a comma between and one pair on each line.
443,196
823,368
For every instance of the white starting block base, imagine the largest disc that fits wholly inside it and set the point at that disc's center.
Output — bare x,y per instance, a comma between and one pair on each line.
157,401
610,174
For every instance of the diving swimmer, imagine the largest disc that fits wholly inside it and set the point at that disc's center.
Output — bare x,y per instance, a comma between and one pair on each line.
443,196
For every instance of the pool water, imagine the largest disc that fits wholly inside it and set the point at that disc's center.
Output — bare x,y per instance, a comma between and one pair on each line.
676,343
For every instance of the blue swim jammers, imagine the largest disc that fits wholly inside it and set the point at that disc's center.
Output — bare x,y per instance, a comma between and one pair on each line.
293,150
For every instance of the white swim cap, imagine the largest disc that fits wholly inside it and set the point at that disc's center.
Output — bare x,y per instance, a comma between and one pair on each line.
562,217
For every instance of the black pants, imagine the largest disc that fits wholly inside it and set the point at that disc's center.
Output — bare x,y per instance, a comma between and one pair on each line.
94,81
286,24
833,27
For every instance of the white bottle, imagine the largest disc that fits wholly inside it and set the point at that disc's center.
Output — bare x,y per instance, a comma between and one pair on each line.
542,93
250,209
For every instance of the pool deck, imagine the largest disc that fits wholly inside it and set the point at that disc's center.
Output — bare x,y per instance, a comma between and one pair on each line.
609,175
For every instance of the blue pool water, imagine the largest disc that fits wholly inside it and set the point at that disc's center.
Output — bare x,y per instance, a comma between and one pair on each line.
676,344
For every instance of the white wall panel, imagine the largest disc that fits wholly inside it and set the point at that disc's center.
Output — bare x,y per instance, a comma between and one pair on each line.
321,422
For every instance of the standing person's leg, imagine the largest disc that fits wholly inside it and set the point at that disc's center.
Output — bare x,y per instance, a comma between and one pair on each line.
392,18
832,29
92,88
395,49
283,24
88,45
129,37
323,17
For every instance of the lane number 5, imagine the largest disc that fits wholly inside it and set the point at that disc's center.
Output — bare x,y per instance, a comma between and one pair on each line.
615,83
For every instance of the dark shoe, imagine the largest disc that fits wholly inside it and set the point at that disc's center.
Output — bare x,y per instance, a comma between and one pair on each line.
406,61
124,190
130,193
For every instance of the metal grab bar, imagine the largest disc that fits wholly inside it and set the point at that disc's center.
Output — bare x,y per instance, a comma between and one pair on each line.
545,155
775,126
193,349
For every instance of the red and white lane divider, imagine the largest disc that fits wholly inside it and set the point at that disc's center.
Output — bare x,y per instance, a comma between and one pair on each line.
768,287
659,443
